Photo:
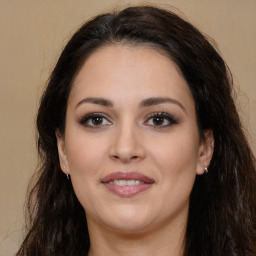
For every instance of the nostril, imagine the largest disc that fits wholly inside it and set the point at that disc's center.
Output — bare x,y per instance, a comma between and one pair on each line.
126,149
125,159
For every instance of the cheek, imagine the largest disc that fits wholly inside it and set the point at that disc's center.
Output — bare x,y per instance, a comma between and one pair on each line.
176,160
176,164
176,154
85,162
83,152
85,158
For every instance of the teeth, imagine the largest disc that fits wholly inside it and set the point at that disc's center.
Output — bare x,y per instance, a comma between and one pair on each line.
120,182
126,182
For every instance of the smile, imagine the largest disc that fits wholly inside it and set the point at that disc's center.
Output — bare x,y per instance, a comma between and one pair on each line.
127,184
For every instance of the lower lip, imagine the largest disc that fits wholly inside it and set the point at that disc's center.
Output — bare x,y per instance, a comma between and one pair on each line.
127,191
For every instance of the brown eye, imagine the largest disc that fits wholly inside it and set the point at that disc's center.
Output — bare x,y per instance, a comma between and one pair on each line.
95,120
161,120
158,120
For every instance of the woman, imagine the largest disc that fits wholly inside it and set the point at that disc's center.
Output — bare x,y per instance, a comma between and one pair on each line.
142,149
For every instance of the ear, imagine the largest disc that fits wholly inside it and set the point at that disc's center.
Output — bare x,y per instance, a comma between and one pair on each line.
205,152
61,150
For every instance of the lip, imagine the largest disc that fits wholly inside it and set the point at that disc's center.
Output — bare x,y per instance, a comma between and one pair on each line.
127,191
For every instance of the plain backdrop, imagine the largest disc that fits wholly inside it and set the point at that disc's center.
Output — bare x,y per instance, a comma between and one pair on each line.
32,35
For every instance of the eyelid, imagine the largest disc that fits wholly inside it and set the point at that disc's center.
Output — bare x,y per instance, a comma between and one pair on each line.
171,119
89,116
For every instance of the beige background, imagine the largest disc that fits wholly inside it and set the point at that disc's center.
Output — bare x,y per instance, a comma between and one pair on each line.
32,34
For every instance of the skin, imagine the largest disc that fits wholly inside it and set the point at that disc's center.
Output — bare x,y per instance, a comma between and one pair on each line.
128,139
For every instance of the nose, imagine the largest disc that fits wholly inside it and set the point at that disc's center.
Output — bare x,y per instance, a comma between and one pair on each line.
127,146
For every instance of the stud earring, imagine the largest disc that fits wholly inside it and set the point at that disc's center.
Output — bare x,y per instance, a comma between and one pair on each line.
205,170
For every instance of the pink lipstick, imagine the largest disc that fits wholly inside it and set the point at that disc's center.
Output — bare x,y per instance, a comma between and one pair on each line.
127,184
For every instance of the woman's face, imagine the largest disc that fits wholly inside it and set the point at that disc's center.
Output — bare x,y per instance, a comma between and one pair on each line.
131,143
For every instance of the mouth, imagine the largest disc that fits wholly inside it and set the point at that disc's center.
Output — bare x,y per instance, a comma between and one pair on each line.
127,184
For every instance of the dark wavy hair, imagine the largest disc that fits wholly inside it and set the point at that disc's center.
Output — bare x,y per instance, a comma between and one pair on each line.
222,212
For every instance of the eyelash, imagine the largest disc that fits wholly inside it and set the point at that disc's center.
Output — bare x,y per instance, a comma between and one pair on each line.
165,117
85,120
162,115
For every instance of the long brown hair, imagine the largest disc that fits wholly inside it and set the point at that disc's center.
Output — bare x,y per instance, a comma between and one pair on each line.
222,214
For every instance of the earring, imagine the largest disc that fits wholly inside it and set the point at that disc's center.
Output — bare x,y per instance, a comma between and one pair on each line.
205,170
68,176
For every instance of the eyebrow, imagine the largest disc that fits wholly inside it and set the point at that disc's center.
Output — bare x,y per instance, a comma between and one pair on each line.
98,101
145,103
160,100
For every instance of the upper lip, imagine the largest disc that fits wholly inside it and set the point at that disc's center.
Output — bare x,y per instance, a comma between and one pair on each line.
127,176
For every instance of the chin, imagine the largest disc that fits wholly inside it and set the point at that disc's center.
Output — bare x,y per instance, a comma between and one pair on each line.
127,226
127,220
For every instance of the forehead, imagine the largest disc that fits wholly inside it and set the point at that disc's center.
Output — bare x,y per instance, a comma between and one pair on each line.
122,69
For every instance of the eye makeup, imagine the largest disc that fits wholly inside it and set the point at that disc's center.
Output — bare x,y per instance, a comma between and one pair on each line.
94,120
160,120
156,120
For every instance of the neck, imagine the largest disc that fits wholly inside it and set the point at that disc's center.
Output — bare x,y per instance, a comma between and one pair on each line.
165,241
